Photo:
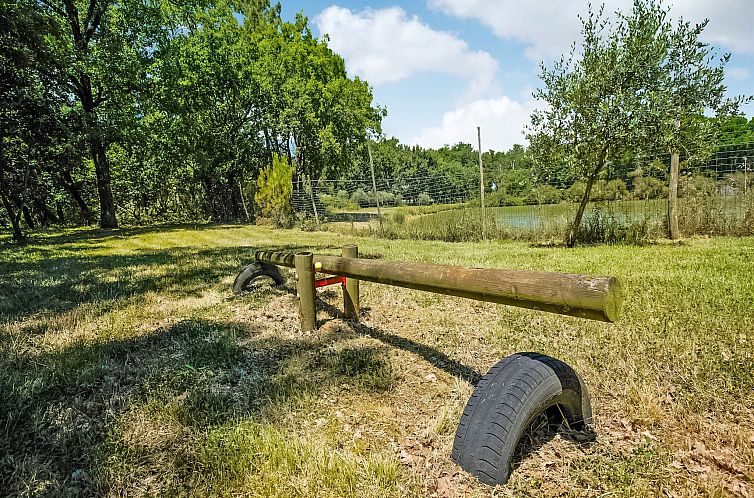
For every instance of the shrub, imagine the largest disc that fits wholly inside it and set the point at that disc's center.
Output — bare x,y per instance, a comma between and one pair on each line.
386,198
543,194
649,188
615,190
575,192
423,199
360,198
342,196
603,226
494,199
701,210
696,186
399,217
274,189
338,201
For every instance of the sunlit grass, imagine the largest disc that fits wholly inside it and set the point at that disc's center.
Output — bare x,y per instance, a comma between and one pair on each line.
128,368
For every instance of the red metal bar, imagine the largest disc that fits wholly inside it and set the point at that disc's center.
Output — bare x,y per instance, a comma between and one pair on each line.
329,281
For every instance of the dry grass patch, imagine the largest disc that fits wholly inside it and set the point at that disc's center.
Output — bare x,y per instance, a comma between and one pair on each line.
127,369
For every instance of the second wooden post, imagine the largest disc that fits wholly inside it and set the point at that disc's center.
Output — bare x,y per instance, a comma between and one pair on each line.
305,287
351,289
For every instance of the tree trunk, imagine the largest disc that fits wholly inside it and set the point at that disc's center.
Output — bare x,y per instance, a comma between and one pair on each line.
574,230
102,169
674,233
83,87
288,149
61,213
268,143
314,202
14,218
27,216
243,202
48,216
74,189
99,155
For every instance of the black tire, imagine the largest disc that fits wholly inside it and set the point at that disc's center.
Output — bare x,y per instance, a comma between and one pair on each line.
515,391
253,271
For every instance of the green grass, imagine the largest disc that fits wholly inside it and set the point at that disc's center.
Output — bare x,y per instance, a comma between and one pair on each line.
128,368
632,221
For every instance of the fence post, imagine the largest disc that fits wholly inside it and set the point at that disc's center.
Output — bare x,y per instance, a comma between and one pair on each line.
351,289
305,287
481,183
673,196
374,184
314,202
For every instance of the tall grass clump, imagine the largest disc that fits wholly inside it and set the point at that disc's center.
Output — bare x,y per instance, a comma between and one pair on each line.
605,226
273,462
702,211
601,225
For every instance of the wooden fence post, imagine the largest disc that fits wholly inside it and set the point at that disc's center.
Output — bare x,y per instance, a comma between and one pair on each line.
351,289
305,287
374,185
673,197
481,184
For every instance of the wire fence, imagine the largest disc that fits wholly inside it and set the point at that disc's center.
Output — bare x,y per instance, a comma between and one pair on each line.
630,200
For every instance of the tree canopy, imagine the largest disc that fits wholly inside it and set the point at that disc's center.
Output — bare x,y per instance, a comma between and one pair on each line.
639,85
162,111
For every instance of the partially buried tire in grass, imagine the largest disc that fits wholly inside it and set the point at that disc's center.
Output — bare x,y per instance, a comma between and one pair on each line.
518,390
256,272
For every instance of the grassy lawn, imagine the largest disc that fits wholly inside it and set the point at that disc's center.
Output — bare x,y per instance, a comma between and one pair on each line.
128,368
623,220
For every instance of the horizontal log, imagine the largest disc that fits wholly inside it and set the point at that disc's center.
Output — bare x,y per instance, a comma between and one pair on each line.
585,296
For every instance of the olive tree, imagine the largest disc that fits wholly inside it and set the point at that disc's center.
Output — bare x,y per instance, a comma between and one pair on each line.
636,85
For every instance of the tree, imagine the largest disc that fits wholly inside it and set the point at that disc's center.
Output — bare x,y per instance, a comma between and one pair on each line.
638,85
229,96
100,52
274,190
30,117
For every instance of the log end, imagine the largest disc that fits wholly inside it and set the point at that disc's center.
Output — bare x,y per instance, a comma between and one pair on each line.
613,299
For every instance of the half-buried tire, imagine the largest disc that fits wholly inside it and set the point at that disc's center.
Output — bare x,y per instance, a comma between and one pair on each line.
254,271
515,392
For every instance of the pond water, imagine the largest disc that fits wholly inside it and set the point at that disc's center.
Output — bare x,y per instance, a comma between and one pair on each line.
523,217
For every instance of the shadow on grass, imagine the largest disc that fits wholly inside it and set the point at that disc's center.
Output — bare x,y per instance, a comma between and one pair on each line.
57,409
428,353
543,428
49,278
94,235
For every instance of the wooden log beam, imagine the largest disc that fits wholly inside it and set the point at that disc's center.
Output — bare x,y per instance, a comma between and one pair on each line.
584,296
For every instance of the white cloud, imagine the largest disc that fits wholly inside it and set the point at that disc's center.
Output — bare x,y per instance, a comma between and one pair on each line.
501,120
737,73
548,28
386,45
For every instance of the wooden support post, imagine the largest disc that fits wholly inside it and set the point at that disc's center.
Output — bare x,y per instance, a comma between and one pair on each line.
305,287
673,197
374,185
351,289
746,181
481,184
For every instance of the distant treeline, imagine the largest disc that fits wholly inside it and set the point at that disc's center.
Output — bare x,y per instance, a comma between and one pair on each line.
156,111
515,177
153,111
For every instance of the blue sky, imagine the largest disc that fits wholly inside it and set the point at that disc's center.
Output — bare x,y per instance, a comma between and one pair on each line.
443,67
